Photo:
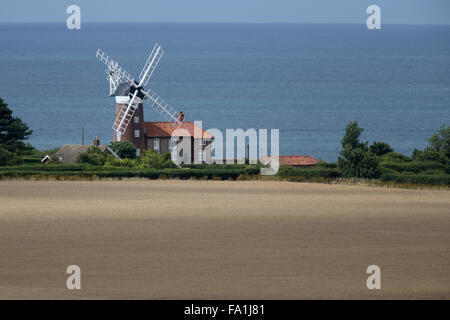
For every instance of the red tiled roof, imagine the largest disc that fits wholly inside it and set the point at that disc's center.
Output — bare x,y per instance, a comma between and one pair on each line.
165,129
295,160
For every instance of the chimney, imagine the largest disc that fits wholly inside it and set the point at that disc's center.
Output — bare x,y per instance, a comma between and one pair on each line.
96,141
180,116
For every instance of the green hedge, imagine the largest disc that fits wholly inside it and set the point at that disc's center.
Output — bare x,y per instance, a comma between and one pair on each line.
249,169
323,164
220,166
414,166
44,167
151,174
31,160
58,167
174,173
316,172
431,173
395,157
438,179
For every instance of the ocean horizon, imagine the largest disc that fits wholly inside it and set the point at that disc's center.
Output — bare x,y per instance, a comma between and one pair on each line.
307,80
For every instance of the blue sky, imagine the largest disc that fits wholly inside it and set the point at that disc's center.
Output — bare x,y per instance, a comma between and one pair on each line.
302,11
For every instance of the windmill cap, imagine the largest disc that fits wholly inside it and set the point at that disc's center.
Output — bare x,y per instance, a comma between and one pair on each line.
122,90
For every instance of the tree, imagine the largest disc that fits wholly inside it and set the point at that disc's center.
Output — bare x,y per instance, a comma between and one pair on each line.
94,156
356,160
351,137
13,131
438,148
124,149
358,163
380,148
7,158
440,143
426,155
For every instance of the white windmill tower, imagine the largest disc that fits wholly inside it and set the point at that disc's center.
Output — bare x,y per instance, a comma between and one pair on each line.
130,94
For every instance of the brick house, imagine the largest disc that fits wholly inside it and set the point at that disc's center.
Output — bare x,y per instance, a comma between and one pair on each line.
157,135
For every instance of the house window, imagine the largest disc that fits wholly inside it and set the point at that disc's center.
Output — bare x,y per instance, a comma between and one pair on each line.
156,144
136,119
138,152
203,142
137,133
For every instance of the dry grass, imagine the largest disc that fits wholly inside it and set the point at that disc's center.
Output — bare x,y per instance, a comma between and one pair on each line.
222,239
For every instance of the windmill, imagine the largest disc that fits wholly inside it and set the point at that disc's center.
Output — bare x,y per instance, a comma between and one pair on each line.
135,91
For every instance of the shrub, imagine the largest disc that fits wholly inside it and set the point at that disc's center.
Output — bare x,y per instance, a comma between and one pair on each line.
94,156
358,163
153,160
124,149
385,170
380,148
251,170
433,172
323,164
125,163
395,157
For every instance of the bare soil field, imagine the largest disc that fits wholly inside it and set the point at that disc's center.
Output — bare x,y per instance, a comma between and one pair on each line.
169,239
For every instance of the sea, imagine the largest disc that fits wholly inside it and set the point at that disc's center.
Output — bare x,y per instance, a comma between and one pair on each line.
307,80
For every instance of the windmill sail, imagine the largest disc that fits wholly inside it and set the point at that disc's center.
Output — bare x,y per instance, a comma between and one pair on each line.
114,80
151,64
127,110
162,107
125,114
112,65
